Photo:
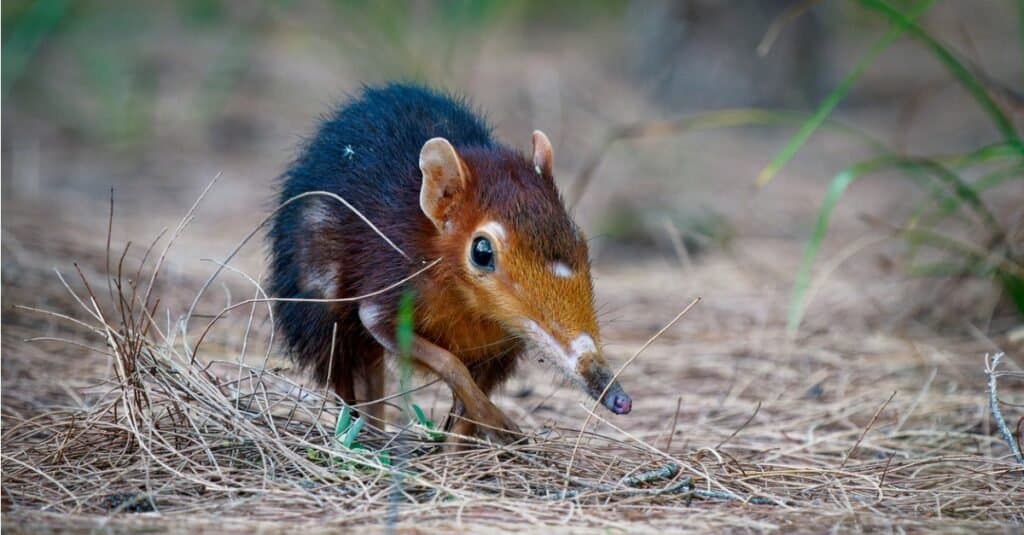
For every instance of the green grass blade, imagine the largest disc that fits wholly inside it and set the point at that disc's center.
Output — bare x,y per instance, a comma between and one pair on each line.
992,154
953,65
948,205
833,98
964,193
343,421
420,417
960,188
1014,288
353,432
1002,263
949,269
698,121
1009,272
917,169
836,188
995,153
427,425
404,327
403,336
997,178
737,117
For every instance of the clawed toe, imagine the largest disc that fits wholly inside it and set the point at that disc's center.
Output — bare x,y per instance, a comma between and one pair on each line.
506,433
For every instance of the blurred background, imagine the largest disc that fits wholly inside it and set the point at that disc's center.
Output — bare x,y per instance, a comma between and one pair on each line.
154,99
663,115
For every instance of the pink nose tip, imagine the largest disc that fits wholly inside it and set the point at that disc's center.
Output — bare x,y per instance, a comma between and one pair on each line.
622,404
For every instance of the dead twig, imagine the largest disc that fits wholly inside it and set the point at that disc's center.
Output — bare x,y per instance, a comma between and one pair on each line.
865,431
993,404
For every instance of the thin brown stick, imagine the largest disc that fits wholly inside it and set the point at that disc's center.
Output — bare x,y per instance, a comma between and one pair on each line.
741,427
675,420
865,431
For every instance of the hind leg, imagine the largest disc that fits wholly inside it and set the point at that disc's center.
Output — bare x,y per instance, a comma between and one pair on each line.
370,385
344,386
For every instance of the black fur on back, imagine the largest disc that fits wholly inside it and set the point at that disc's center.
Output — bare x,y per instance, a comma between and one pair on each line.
367,152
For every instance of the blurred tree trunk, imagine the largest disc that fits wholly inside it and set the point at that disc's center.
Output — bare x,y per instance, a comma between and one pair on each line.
704,53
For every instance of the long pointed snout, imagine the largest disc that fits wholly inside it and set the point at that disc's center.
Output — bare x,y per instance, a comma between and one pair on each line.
617,400
598,378
582,360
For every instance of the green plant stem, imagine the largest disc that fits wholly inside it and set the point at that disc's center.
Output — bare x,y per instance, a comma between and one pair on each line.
833,98
948,205
714,119
953,65
404,336
916,168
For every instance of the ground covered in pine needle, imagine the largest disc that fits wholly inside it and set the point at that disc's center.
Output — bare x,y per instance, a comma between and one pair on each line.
118,413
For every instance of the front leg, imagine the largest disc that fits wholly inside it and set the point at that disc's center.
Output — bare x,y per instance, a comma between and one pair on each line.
449,368
488,373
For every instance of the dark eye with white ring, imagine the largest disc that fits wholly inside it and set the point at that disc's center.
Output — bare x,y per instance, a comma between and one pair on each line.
481,254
